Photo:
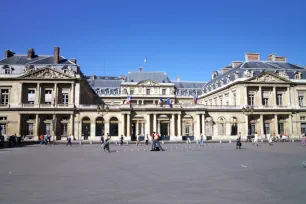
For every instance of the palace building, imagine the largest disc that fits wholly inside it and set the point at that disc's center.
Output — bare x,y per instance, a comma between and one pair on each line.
49,94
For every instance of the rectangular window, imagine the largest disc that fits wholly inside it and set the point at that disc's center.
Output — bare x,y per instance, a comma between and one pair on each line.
31,96
251,99
267,128
187,130
302,118
163,91
47,129
48,96
131,91
265,101
303,128
281,128
253,128
148,92
3,129
65,96
234,99
64,129
7,71
301,100
4,96
279,98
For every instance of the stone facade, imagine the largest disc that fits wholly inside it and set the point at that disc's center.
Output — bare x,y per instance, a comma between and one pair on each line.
50,95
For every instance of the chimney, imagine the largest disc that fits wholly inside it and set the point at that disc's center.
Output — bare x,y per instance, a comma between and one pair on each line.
140,69
73,60
271,57
252,56
224,70
280,59
178,78
8,54
56,55
93,77
236,64
31,53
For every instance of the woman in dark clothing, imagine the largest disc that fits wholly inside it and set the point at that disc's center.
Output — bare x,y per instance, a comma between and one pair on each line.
238,143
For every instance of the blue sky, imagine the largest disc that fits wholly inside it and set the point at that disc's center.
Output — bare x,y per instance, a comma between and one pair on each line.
183,38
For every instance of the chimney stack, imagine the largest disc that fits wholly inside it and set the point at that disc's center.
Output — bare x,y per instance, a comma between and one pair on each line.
56,55
274,58
73,60
8,54
31,53
178,78
93,77
236,64
140,69
252,56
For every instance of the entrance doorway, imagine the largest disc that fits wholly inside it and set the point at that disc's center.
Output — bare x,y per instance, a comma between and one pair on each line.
133,136
164,129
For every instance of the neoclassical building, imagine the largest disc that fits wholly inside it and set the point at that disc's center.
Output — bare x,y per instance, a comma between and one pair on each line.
49,94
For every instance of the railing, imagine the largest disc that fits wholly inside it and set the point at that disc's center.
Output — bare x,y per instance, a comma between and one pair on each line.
43,105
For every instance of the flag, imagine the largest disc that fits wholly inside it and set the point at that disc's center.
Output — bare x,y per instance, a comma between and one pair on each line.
195,99
160,101
145,60
54,100
168,101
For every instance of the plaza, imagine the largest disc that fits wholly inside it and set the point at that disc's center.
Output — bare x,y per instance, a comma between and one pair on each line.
184,173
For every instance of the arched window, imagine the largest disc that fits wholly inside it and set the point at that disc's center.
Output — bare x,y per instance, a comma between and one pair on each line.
209,126
116,92
86,128
234,126
113,127
99,126
221,126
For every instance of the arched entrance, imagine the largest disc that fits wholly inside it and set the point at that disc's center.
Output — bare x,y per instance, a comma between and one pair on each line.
100,127
163,125
86,127
209,127
188,127
138,127
221,126
234,126
113,126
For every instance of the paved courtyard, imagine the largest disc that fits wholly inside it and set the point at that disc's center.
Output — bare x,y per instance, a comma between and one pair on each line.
217,173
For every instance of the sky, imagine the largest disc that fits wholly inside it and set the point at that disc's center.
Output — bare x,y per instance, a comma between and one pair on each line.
186,38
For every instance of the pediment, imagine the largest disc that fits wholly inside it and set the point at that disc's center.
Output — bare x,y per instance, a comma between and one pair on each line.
148,83
269,78
46,73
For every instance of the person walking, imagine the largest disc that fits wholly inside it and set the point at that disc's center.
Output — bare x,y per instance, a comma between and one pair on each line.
41,138
121,140
255,141
158,143
46,139
270,141
147,139
106,143
201,140
238,142
102,140
153,141
69,140
188,140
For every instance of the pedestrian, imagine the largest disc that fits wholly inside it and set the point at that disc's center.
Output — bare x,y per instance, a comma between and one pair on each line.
238,142
157,138
41,138
255,141
153,141
49,139
102,140
147,139
121,140
137,140
270,141
46,139
106,144
201,140
188,140
69,140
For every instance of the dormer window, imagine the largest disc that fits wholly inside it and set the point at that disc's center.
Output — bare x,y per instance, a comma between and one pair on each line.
106,91
7,69
116,92
297,75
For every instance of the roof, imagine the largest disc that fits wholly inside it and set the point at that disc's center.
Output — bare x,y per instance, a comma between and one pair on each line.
105,82
37,59
189,84
160,77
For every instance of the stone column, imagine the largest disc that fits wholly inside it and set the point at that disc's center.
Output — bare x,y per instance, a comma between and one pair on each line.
72,125
137,128
55,98
154,123
72,93
20,125
21,92
128,124
168,133
106,128
261,125
246,95
179,125
36,134
260,96
93,130
198,132
290,133
203,125
38,93
276,125
148,125
288,96
172,126
274,96
246,118
122,125
158,128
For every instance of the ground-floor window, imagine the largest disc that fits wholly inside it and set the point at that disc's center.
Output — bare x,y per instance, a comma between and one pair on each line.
234,129
113,127
64,129
3,129
267,128
187,130
303,128
209,129
281,128
252,128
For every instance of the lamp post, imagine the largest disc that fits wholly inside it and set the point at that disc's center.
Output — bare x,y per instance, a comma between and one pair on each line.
102,110
248,110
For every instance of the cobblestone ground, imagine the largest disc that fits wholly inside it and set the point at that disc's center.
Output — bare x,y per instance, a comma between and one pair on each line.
216,173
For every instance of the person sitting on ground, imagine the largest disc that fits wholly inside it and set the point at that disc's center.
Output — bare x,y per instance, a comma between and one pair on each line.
158,143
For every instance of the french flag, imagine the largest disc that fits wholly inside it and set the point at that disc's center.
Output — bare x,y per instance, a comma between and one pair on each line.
160,101
195,99
129,98
168,101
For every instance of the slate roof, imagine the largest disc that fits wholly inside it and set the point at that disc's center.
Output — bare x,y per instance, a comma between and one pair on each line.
257,67
105,82
188,85
37,59
160,77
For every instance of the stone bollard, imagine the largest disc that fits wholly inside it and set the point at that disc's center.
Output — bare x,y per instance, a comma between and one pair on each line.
230,141
90,141
127,142
80,142
292,140
220,141
163,142
261,140
197,141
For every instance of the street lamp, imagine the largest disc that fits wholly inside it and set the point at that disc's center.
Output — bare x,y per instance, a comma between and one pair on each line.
248,110
102,109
